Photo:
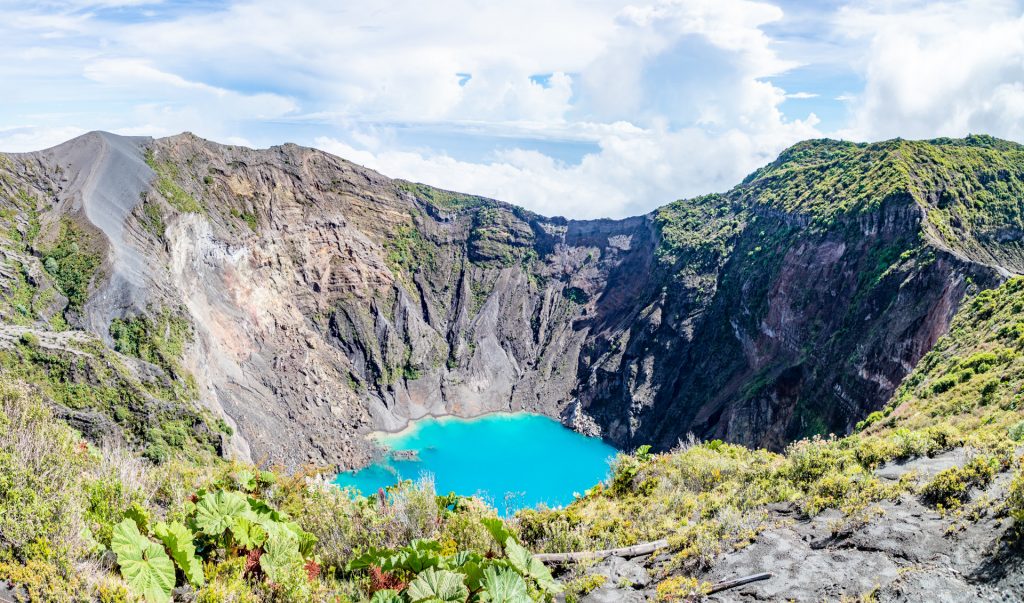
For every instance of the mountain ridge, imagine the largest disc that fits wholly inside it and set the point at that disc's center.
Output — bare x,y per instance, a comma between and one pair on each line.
328,298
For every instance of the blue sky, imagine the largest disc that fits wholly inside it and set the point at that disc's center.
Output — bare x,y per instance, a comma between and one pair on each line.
583,108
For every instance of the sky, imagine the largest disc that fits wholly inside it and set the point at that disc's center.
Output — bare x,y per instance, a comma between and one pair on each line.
578,108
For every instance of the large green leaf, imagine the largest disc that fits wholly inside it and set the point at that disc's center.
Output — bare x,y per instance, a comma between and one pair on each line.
461,558
306,540
374,556
387,596
216,511
247,533
264,511
503,586
145,566
178,540
245,479
437,585
497,529
474,573
529,567
281,555
419,555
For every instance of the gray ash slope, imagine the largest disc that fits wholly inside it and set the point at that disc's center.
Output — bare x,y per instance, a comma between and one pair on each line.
328,300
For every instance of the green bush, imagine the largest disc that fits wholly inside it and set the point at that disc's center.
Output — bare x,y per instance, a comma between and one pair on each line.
72,268
1015,499
944,384
159,339
41,463
952,487
168,187
1016,431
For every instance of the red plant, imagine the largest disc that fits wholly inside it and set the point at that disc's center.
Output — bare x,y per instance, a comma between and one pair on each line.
381,580
252,562
312,570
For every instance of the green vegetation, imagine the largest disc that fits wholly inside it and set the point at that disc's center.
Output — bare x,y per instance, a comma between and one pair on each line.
158,415
226,531
966,388
970,189
447,200
697,236
167,176
500,234
408,251
708,498
23,297
159,338
22,233
248,217
951,487
501,237
71,264
575,295
153,220
420,571
975,183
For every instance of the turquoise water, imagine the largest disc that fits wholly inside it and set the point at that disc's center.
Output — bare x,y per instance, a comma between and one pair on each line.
513,461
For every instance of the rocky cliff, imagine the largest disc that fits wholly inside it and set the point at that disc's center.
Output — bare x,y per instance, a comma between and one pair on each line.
299,301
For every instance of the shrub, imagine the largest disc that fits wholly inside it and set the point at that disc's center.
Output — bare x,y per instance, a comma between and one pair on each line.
1015,499
870,420
809,460
952,487
41,505
423,572
681,588
944,384
582,586
1016,431
71,268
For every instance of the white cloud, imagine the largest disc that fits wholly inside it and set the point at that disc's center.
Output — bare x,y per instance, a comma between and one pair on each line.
673,93
184,104
395,61
33,138
658,99
630,174
682,82
939,69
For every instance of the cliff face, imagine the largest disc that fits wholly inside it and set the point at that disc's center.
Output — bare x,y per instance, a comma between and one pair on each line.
798,301
322,300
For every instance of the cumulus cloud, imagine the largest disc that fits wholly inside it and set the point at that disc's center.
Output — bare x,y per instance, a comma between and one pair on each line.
33,138
687,78
938,69
585,108
631,173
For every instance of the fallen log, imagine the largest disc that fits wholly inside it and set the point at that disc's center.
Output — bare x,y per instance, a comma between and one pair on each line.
720,586
636,550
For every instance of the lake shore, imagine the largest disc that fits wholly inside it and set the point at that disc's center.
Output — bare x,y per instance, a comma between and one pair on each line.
411,425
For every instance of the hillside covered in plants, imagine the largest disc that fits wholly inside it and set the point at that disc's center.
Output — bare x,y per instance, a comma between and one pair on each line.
816,374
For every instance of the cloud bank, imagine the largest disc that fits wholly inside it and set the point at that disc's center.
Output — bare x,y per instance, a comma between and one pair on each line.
583,108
